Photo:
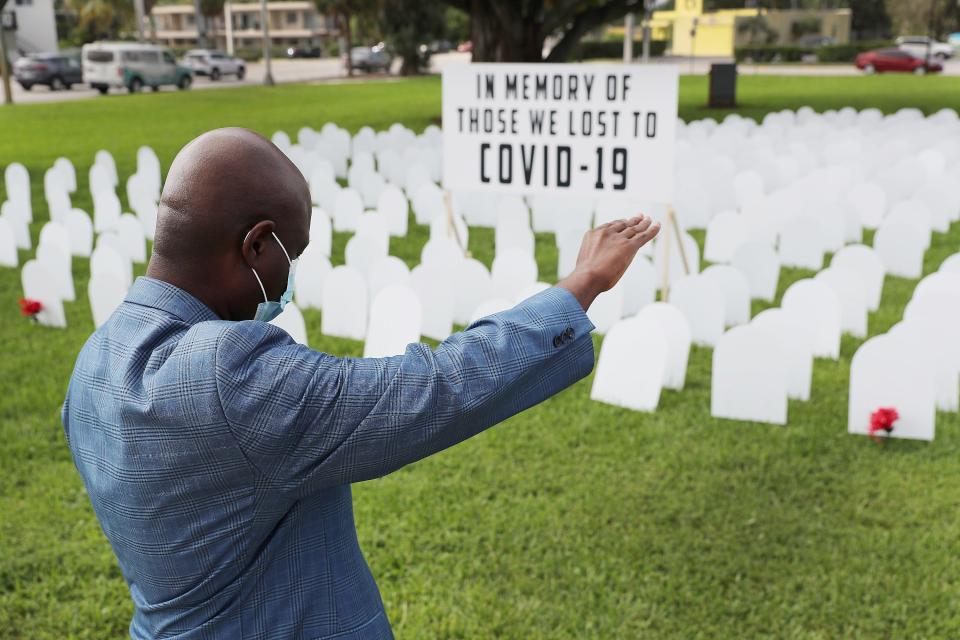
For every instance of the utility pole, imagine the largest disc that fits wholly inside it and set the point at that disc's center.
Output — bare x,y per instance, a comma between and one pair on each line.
7,93
138,9
267,73
628,25
201,27
647,14
228,23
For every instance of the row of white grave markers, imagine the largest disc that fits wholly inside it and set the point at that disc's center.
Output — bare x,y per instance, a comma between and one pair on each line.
914,368
777,346
508,215
48,277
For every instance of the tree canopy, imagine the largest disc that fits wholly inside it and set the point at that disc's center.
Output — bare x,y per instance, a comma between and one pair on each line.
516,30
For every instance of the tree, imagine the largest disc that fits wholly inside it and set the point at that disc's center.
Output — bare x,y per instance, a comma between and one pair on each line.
100,19
516,30
927,17
4,67
869,19
757,30
457,27
408,26
343,12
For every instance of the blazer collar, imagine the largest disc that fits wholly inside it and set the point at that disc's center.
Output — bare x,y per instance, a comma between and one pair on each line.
150,292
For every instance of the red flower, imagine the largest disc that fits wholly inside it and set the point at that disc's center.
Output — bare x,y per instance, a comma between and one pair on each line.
30,308
882,420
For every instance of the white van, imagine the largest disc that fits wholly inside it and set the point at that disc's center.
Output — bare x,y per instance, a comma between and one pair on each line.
131,66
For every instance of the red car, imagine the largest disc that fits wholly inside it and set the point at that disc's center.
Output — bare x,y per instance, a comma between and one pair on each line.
895,60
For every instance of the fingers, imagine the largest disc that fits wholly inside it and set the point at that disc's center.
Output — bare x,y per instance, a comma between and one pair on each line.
618,225
639,225
647,234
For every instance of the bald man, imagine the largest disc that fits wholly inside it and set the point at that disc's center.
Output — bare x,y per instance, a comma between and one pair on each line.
218,453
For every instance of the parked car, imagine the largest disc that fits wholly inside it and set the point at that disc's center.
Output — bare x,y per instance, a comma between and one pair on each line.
920,46
882,60
204,62
437,46
370,59
56,70
132,66
303,52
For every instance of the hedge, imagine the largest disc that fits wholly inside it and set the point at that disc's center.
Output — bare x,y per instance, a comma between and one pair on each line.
795,53
592,49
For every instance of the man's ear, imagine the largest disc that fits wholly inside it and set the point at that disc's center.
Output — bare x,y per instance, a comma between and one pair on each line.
255,242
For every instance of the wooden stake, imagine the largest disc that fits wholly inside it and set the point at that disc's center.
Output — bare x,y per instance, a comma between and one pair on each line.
665,288
676,229
672,228
447,201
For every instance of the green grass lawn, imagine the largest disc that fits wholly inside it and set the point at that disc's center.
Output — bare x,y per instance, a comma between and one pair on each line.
572,520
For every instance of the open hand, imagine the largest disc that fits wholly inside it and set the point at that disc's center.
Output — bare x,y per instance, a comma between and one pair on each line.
605,254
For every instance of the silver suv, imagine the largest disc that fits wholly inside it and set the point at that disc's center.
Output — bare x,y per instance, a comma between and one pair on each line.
215,64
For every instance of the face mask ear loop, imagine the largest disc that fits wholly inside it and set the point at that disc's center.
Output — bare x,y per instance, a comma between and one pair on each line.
260,283
282,248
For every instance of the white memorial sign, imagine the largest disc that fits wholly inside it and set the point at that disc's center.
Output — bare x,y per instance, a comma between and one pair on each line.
584,129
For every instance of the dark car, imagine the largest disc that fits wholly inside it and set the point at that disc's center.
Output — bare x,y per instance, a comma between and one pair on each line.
882,60
56,70
370,59
303,52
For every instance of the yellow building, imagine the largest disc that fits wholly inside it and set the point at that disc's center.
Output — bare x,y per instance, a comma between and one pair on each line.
717,33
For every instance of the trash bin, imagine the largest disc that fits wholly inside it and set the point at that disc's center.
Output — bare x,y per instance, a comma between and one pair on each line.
723,85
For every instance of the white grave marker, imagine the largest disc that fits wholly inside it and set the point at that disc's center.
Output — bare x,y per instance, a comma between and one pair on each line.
631,366
867,264
395,319
676,331
815,304
344,304
749,377
105,292
41,285
888,372
703,305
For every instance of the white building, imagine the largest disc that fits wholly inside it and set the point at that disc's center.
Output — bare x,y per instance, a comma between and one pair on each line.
291,23
36,27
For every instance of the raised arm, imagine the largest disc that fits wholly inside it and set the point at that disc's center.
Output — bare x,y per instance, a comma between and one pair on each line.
307,420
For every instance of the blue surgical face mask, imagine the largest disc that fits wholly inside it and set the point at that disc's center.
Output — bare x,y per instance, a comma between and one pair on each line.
268,309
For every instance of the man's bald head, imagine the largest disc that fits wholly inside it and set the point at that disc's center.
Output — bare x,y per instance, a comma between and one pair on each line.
226,193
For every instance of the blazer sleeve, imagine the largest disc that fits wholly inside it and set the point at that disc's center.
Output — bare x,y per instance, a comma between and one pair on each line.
307,420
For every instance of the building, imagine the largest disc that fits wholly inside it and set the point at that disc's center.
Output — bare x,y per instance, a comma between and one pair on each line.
691,31
36,27
293,23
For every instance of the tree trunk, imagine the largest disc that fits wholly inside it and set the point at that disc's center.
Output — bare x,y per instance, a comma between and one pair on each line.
4,66
495,39
348,36
198,18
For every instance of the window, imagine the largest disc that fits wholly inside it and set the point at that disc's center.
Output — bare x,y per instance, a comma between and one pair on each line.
131,56
168,58
24,3
100,56
150,57
291,17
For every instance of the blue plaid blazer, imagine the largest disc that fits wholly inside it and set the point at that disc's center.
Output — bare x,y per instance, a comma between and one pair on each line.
219,455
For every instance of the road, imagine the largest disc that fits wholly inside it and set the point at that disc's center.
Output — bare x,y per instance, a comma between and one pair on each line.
330,70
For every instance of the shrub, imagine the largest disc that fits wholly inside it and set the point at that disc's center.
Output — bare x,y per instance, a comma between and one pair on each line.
593,49
794,53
